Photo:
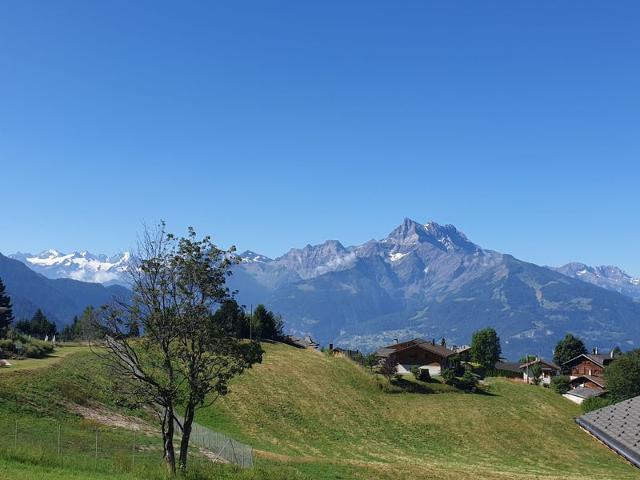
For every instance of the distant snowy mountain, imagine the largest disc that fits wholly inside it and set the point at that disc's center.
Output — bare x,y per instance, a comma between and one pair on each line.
605,276
83,266
422,279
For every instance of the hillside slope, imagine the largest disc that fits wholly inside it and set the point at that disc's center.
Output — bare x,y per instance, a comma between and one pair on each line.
328,417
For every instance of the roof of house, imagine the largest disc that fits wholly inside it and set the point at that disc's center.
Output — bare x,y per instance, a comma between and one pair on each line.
600,360
306,342
508,366
417,342
618,427
600,381
585,392
546,365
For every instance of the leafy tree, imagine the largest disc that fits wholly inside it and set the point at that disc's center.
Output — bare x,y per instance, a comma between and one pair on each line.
535,372
485,348
6,311
421,374
623,376
594,403
566,349
389,367
186,355
86,327
560,384
443,342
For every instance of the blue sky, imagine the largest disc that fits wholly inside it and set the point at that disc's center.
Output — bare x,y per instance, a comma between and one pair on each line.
276,124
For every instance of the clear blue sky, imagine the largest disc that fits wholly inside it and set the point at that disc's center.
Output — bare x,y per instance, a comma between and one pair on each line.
276,124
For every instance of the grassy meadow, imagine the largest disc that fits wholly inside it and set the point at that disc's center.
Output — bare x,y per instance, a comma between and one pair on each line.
309,415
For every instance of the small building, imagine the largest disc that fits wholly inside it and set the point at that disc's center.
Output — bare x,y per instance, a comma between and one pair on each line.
580,394
549,370
618,427
587,364
417,353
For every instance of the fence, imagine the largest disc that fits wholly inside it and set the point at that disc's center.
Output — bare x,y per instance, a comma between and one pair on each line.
84,446
220,447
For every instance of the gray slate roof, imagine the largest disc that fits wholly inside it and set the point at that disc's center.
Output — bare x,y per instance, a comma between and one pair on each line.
618,427
585,392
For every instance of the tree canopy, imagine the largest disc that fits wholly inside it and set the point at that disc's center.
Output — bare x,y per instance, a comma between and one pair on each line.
485,348
567,348
187,352
623,376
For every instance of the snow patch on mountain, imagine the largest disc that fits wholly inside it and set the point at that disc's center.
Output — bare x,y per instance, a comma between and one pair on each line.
82,265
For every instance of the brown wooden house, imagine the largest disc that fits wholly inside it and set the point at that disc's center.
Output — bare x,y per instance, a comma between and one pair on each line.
592,365
418,353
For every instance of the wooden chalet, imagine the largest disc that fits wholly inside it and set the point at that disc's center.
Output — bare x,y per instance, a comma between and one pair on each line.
418,353
549,370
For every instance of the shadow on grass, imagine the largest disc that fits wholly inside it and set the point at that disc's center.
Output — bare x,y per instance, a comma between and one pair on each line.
401,385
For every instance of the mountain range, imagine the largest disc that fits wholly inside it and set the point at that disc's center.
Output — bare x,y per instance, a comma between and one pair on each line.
425,280
60,298
83,266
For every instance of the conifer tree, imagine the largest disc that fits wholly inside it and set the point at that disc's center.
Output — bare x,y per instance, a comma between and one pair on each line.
6,311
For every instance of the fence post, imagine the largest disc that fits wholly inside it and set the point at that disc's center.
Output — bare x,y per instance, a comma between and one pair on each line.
59,439
96,456
15,437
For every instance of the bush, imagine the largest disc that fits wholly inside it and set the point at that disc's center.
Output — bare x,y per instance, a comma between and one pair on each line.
421,374
449,376
468,382
560,384
594,403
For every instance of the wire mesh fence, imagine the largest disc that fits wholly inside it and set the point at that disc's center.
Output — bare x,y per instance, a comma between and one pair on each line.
219,447
86,446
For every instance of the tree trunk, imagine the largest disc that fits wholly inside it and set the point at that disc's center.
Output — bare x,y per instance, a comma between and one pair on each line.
167,438
186,434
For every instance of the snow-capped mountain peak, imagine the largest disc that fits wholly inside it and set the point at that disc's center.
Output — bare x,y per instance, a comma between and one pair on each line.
81,265
606,276
249,256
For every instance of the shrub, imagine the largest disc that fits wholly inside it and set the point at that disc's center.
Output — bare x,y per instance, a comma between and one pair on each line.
594,403
468,382
421,374
560,384
449,376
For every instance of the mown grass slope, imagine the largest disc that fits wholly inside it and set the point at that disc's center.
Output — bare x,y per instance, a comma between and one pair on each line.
310,415
326,414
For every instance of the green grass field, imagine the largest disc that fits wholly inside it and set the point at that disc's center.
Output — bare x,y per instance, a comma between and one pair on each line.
35,363
309,415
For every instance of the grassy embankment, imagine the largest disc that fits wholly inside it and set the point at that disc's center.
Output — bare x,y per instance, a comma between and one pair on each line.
313,416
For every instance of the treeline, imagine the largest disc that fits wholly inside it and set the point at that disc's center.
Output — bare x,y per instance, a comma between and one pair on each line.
261,324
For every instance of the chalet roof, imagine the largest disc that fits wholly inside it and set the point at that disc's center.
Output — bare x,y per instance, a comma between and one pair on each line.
306,342
618,427
546,365
419,343
508,366
585,392
592,378
600,360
